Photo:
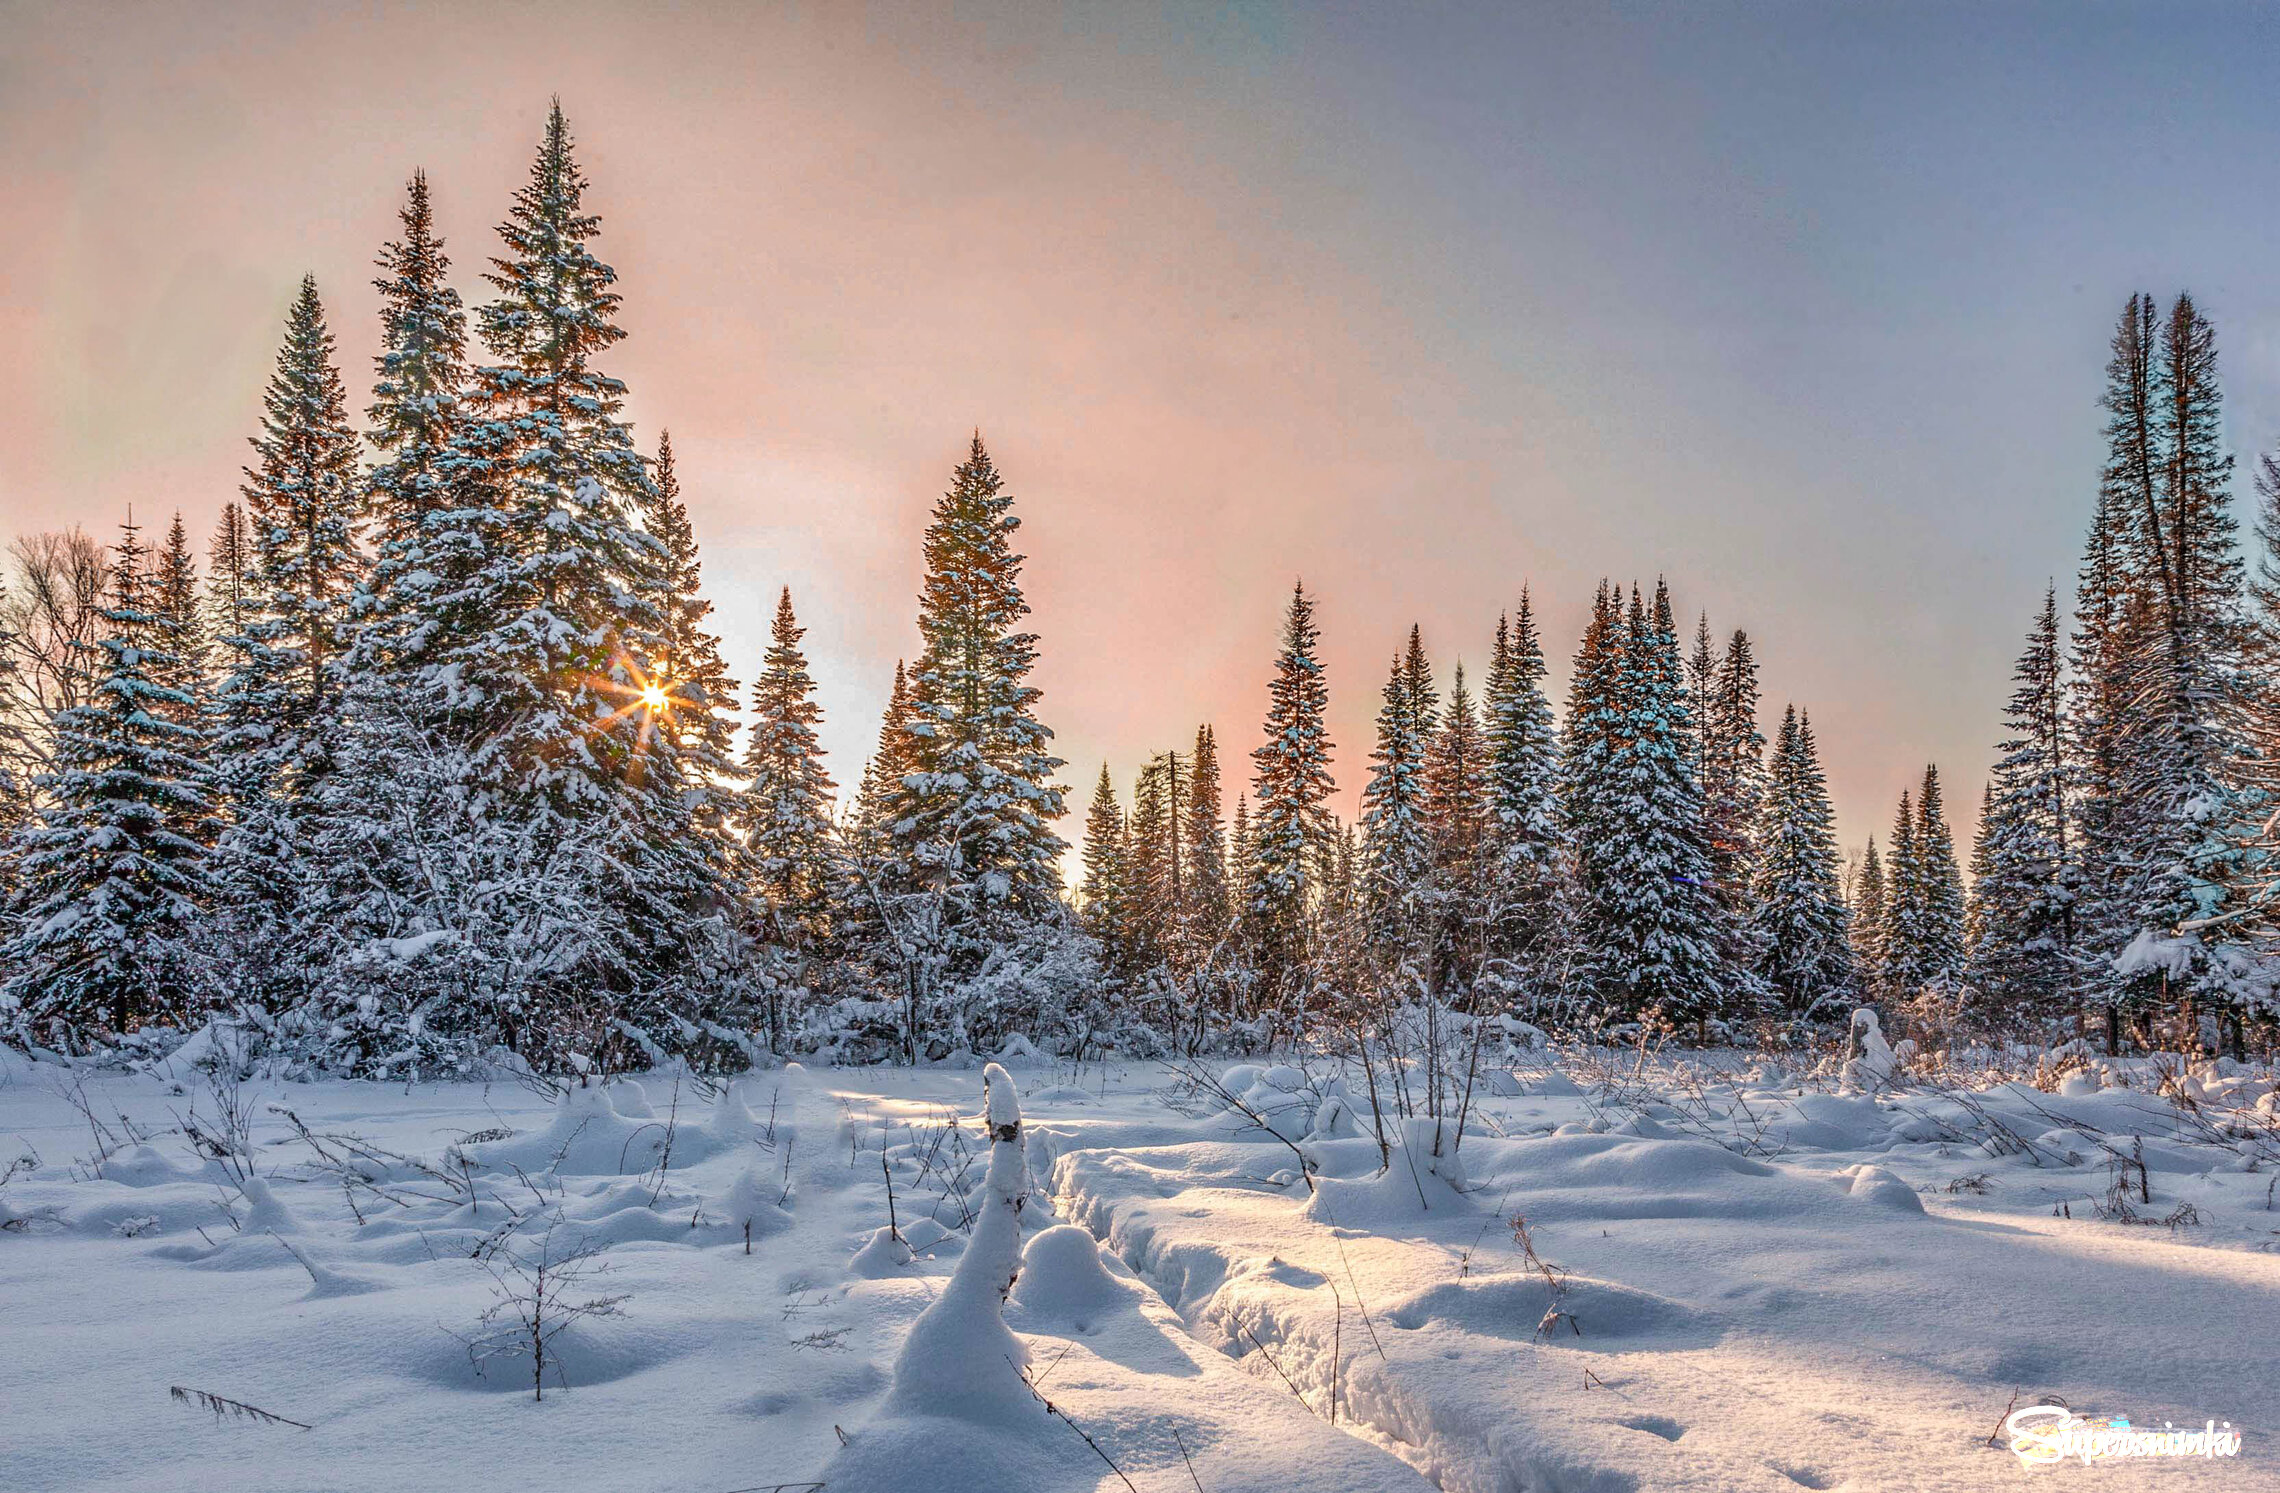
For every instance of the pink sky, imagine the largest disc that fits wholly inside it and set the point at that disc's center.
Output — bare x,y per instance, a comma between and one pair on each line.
1219,329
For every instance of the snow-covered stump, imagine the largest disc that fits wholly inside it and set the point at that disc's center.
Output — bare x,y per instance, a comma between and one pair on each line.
1875,1066
960,1414
960,1358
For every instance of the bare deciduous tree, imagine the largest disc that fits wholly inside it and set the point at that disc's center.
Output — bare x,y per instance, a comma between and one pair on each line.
51,612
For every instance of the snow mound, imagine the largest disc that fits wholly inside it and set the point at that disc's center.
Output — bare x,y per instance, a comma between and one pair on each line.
752,1203
1413,1184
1062,1275
1280,1098
1831,1122
1873,1184
143,1166
264,1213
939,1454
591,1135
882,1254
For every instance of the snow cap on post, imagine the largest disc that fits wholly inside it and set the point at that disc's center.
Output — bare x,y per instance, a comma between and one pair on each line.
1001,1105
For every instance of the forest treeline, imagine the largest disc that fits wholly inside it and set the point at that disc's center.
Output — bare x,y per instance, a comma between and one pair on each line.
433,764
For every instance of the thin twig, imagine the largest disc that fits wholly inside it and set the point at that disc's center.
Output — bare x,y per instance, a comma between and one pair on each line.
222,1407
1063,1416
1184,1457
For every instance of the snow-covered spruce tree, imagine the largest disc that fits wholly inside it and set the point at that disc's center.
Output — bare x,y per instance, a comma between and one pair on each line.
2158,688
1396,848
230,583
892,760
383,874
416,420
1799,924
1939,881
557,621
2021,959
1242,849
1974,907
1527,843
1701,698
977,812
1290,831
1866,905
303,505
971,856
1651,924
2261,705
1733,788
1900,964
785,814
181,627
278,705
2184,783
1206,848
2112,609
1457,835
112,872
1157,865
688,666
2263,629
1102,902
1594,721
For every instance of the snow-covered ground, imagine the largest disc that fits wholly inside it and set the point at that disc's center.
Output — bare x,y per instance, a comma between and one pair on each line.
1726,1279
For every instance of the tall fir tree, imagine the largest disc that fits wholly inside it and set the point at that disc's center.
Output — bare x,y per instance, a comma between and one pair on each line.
278,706
1942,882
974,820
560,617
1242,853
302,506
1396,844
2114,601
1651,927
181,629
688,666
554,618
1290,830
230,577
785,809
1206,847
2184,784
892,760
1734,781
1900,964
1593,726
2022,957
1924,903
416,421
1457,835
1701,698
1101,893
112,872
1800,925
1973,906
1523,771
1867,908
1153,884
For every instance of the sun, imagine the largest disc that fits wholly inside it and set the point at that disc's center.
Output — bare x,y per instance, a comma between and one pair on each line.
653,697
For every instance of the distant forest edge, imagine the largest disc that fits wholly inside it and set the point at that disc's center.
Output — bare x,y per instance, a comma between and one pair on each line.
436,772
